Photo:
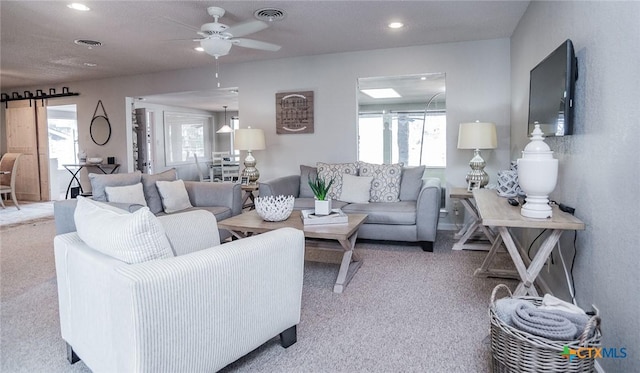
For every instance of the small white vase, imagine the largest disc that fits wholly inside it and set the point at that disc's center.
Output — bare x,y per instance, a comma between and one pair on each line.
323,207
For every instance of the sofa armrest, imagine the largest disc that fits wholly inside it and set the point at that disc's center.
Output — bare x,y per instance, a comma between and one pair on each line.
428,209
286,185
196,312
207,194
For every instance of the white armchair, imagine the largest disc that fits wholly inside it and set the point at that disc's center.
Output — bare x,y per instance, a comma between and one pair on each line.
195,312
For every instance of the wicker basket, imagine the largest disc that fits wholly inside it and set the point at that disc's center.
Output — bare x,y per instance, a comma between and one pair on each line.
514,350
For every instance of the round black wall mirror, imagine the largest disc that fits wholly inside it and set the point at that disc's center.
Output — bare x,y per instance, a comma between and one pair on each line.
100,129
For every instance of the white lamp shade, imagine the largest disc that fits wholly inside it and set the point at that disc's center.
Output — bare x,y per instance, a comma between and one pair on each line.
225,129
477,135
249,139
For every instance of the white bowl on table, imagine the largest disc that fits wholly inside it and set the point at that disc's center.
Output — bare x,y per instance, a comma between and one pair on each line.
274,208
95,160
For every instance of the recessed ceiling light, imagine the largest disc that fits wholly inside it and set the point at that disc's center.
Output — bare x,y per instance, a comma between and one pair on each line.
381,93
199,49
396,25
423,78
78,6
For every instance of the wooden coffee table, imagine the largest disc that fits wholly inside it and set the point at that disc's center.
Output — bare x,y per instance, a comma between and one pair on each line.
318,237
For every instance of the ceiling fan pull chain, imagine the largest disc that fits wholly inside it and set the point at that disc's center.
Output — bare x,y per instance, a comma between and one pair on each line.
217,70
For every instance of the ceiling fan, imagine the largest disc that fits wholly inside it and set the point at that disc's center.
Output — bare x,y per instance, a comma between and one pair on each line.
217,38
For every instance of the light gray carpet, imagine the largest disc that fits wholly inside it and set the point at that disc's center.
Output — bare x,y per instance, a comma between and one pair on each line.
405,310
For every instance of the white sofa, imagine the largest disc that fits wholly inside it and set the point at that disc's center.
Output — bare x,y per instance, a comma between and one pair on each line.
195,312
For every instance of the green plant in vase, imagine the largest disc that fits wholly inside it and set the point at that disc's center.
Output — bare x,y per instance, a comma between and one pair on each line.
320,190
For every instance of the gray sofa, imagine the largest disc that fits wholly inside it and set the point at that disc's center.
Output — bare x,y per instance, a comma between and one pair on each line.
412,219
222,199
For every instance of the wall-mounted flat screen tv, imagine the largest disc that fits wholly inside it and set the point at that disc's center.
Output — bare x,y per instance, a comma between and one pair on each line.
551,92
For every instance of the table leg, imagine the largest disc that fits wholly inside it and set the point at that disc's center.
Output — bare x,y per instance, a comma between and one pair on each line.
485,271
471,228
350,264
526,286
73,177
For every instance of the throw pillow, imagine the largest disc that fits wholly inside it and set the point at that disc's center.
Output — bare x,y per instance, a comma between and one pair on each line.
355,189
174,195
101,181
306,173
130,237
126,194
385,186
154,201
328,171
411,183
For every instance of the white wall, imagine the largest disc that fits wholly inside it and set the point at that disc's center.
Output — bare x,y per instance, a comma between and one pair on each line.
477,78
599,164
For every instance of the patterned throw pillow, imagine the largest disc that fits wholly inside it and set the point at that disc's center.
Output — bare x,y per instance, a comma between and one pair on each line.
385,186
328,171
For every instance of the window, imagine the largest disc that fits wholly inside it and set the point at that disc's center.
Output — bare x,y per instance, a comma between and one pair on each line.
412,138
184,136
408,127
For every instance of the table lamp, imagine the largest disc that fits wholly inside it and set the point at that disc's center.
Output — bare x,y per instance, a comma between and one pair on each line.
477,135
249,139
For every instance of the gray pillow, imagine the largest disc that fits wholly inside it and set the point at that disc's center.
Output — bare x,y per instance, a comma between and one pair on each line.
151,191
411,183
307,172
101,181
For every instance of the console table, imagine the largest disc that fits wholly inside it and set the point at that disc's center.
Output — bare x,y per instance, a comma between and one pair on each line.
74,170
472,227
495,211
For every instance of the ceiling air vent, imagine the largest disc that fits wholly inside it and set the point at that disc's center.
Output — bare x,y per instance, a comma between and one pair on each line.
88,43
269,14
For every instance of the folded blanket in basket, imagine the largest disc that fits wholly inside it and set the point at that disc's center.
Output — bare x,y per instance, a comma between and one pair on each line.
543,323
554,325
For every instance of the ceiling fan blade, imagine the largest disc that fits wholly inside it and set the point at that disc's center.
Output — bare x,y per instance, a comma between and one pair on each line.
216,47
255,44
246,28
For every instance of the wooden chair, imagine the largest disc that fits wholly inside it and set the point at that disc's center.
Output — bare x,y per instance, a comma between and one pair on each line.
8,170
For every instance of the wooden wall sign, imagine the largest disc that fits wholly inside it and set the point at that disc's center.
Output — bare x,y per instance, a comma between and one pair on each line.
294,112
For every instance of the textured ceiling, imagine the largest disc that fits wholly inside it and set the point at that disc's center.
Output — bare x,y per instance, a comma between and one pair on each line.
36,37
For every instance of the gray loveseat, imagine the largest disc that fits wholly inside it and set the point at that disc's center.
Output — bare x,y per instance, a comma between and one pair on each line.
414,218
222,199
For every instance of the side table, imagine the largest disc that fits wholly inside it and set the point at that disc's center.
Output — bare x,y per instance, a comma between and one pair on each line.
472,228
496,212
249,196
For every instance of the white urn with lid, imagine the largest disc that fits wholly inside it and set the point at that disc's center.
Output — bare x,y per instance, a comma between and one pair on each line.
537,176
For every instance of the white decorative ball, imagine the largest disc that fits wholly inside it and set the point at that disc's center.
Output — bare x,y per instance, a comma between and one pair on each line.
274,208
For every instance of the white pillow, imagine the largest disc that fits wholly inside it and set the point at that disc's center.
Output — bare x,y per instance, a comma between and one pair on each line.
355,189
174,195
130,237
126,194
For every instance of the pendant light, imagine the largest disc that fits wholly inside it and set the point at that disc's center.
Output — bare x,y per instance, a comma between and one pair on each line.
225,127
